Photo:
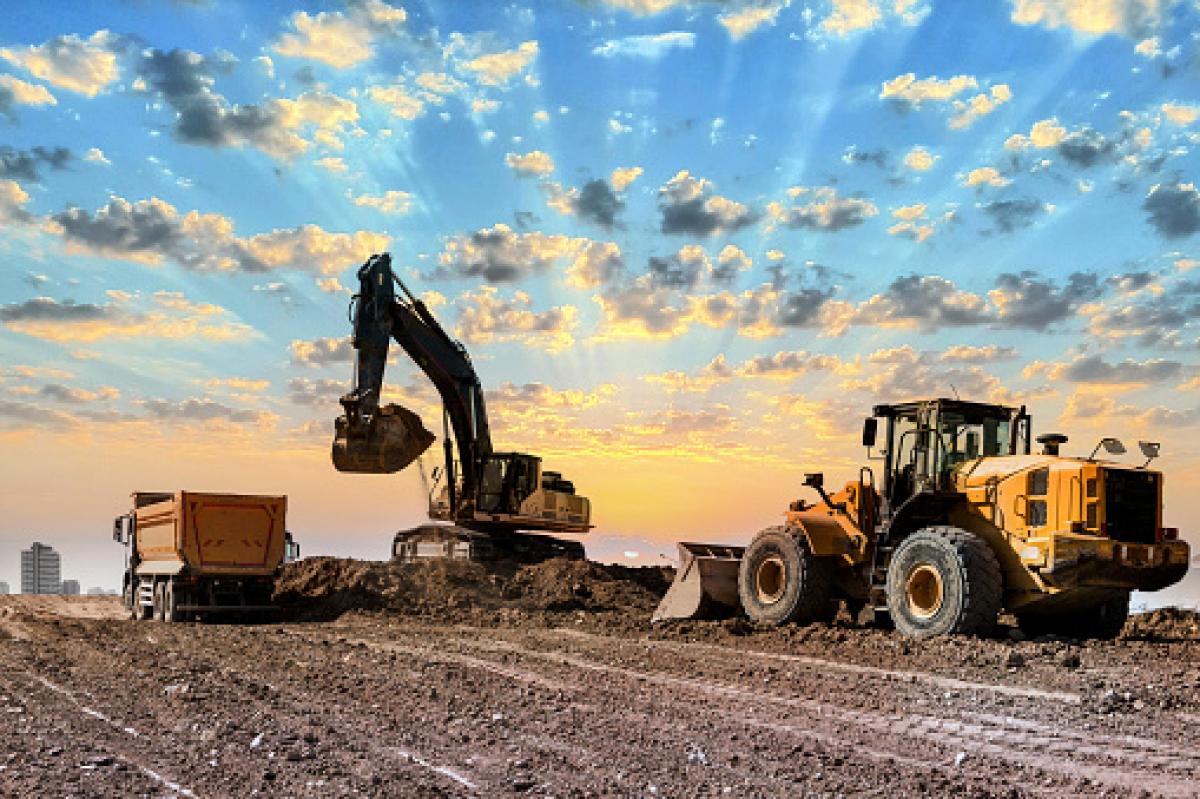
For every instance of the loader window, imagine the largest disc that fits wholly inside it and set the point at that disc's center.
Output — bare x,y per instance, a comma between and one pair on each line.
1039,486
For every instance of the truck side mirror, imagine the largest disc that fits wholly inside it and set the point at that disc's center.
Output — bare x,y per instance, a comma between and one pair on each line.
870,430
119,530
814,480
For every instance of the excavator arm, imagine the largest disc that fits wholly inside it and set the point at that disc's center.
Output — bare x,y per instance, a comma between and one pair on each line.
380,316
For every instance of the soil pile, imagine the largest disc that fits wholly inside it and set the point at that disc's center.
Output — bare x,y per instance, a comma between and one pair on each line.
467,591
1164,624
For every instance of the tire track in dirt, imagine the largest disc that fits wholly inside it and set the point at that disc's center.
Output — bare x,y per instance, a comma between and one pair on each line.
1116,761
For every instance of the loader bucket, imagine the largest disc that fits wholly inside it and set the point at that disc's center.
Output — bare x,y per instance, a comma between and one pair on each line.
391,439
706,584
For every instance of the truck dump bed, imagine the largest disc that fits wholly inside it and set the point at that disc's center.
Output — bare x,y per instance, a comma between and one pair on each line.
205,534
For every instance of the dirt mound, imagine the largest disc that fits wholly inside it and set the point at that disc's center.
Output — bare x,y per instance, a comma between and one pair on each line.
1169,624
458,590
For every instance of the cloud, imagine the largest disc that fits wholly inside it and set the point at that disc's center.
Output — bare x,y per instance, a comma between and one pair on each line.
77,396
532,399
651,46
12,202
825,210
487,317
1027,301
847,17
184,80
683,270
967,112
83,66
498,255
303,391
1083,147
25,164
1012,215
149,231
920,159
497,69
965,353
340,39
715,372
95,155
741,22
1094,369
322,351
689,207
14,91
913,222
205,410
238,384
390,202
1173,209
1132,18
910,92
878,158
984,176
163,315
622,177
731,262
535,162
1181,114
595,202
903,373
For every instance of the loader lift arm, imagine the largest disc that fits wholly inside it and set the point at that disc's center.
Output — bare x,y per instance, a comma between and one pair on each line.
488,492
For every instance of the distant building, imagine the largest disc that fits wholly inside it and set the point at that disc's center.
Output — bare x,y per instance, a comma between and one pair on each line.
40,570
97,592
3,588
70,587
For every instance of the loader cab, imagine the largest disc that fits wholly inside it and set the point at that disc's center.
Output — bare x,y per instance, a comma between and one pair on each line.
923,442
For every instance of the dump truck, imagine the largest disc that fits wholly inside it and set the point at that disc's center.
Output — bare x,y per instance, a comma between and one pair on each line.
484,503
964,522
189,553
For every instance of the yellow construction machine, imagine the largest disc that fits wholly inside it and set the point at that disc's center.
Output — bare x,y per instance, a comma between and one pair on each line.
488,504
965,522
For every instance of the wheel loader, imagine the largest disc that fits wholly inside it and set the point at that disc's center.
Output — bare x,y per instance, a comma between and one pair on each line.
963,523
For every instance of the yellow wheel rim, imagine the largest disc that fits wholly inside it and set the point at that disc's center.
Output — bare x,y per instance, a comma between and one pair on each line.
769,580
924,591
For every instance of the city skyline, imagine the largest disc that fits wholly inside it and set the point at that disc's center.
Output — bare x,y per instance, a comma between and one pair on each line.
688,244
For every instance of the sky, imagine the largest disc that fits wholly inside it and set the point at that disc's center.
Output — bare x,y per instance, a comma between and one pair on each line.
688,244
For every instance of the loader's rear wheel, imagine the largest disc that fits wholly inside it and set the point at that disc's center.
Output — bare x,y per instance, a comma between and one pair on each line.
1102,622
781,581
944,581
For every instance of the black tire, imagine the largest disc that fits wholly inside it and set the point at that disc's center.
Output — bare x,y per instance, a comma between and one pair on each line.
129,598
1102,622
159,607
944,581
781,581
170,605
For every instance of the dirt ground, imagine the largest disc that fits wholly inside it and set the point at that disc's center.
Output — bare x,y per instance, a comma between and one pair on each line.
456,680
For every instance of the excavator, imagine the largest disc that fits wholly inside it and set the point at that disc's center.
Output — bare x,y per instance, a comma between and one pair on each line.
484,504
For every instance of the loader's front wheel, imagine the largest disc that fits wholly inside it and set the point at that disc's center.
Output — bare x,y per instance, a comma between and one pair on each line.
944,581
781,581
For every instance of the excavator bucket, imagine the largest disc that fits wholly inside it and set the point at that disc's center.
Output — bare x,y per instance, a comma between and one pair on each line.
393,438
706,584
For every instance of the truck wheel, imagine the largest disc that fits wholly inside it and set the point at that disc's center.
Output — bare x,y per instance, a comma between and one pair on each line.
170,612
1102,622
944,581
159,609
142,612
781,581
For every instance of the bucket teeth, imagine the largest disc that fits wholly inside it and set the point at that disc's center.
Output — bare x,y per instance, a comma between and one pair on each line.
389,440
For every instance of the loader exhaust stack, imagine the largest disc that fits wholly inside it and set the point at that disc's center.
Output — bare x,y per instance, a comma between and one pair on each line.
386,442
706,584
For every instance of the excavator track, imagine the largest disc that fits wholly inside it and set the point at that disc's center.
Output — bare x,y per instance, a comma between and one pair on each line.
433,541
